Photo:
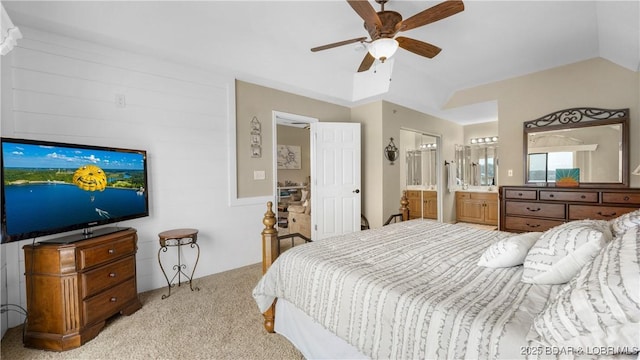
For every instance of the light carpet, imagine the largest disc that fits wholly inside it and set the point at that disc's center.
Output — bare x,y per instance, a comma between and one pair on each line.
221,321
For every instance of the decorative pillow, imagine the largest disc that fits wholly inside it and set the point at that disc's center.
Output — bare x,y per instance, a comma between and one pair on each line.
622,223
600,307
509,252
563,250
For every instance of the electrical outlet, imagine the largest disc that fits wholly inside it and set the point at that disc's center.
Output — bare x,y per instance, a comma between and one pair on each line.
510,172
120,101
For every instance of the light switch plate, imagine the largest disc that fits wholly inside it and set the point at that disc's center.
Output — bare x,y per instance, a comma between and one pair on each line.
258,175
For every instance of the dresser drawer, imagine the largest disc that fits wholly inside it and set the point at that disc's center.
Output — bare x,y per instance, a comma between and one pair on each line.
575,196
513,223
97,255
535,209
108,302
94,281
521,194
621,198
597,212
484,196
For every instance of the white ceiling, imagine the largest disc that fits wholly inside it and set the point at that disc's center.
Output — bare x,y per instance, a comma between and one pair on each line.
268,42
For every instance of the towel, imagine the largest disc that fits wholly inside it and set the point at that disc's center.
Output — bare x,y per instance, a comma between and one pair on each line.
451,176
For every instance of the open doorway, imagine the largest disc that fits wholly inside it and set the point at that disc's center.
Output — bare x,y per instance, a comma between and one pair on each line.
420,174
292,169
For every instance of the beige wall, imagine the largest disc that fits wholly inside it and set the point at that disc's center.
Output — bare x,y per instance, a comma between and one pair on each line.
591,83
486,129
259,101
373,166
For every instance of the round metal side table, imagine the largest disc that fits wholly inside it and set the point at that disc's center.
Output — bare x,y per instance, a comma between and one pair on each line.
179,238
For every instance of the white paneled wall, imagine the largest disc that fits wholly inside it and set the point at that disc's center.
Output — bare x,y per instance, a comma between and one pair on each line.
60,89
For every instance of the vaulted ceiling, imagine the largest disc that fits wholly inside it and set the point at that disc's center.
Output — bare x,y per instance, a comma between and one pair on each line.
269,42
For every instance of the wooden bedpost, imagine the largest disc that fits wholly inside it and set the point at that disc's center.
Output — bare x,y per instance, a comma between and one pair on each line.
270,251
404,206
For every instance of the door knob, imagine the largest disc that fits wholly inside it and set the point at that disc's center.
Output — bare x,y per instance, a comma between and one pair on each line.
357,191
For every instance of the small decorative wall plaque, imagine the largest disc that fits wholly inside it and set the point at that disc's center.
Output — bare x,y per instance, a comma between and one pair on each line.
256,138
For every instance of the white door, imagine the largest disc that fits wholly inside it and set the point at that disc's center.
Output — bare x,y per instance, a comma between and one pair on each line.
335,172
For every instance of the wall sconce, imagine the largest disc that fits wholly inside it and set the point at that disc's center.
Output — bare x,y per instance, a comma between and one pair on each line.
485,140
391,152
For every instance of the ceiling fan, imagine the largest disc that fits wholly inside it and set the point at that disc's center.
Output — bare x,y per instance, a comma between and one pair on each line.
383,25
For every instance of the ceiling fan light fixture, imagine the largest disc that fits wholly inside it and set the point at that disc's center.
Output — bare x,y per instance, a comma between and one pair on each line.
384,48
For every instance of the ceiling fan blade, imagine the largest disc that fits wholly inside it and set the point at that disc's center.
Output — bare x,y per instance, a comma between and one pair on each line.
340,43
418,47
366,62
432,14
366,12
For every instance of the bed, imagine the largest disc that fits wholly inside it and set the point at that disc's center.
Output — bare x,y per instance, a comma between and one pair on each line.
415,290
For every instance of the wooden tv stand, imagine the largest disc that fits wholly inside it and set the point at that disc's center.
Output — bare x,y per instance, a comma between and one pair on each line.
73,287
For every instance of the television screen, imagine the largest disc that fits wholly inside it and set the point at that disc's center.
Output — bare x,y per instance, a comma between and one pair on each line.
49,188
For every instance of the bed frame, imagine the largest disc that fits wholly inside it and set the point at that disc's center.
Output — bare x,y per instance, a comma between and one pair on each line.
271,249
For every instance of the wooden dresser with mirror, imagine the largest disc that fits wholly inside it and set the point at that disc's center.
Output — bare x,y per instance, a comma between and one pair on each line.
593,141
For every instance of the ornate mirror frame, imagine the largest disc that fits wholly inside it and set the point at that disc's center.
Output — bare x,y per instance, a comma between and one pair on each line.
580,118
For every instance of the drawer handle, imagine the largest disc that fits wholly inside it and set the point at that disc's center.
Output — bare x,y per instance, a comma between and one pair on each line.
112,251
551,195
293,220
533,226
626,198
583,197
607,215
113,299
534,210
112,275
519,194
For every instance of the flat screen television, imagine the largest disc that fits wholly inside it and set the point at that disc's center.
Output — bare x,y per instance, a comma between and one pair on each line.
50,188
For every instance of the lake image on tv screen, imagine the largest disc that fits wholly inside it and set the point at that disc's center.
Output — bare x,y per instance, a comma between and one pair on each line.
53,187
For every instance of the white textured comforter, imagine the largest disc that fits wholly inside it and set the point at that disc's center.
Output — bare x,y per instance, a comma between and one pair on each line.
409,290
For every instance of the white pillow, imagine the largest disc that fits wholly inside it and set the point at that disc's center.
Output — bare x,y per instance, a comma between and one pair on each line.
599,308
508,252
563,250
622,223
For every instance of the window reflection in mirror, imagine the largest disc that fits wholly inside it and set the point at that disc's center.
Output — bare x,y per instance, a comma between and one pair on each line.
595,150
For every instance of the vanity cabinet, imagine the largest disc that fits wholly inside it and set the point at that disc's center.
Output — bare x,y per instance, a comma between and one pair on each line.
422,204
527,208
430,205
477,207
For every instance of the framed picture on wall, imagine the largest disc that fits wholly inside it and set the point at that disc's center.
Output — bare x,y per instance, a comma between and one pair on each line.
289,157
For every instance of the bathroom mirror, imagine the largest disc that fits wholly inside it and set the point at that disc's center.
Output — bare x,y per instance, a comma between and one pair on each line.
421,158
593,141
476,164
